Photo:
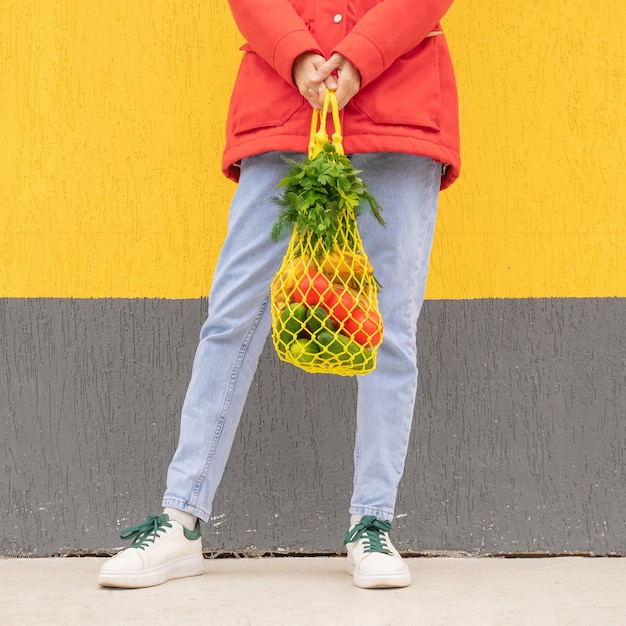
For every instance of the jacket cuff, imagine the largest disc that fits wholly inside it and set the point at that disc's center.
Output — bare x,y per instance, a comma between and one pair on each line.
289,48
364,55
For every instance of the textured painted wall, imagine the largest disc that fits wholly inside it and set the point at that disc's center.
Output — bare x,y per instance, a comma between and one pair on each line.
540,210
518,443
112,125
112,210
112,116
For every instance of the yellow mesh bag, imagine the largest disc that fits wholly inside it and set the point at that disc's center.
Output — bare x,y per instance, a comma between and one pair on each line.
325,315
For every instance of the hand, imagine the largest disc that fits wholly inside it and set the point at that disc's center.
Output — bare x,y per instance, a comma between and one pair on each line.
306,76
347,83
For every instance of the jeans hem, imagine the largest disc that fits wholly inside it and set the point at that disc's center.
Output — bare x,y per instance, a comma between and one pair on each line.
386,516
183,505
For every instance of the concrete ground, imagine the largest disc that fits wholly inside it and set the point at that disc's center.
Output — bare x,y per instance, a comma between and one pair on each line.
563,591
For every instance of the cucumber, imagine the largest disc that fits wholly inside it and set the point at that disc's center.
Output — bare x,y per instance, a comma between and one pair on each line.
303,350
363,360
291,322
318,320
333,345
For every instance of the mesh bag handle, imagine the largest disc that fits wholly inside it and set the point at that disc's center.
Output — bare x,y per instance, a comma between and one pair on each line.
325,316
319,136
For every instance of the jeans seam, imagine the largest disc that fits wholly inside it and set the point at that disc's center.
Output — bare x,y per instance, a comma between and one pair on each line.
379,512
197,488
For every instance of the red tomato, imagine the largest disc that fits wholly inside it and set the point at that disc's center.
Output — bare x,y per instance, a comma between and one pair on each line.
364,328
339,304
312,288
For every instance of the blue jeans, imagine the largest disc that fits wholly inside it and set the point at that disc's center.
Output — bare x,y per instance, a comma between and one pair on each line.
239,321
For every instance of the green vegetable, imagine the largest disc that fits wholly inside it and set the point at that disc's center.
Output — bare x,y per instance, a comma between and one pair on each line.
303,350
354,348
316,191
318,319
363,359
333,345
291,321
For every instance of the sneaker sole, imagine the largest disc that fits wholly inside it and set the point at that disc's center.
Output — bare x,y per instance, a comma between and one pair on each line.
377,581
189,566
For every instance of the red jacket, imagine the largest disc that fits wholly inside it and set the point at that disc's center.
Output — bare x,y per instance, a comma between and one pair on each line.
407,101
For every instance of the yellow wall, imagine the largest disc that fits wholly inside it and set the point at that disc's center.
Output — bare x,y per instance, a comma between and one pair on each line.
111,126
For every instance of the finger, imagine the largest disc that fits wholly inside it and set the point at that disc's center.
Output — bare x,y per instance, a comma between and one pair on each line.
304,67
345,92
316,95
314,98
325,72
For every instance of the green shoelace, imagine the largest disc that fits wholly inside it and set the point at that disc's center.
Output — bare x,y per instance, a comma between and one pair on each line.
147,532
371,529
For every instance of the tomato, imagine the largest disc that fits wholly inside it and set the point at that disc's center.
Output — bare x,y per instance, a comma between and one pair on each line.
339,304
314,289
364,327
311,288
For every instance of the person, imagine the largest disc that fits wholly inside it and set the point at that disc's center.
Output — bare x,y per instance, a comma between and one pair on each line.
389,65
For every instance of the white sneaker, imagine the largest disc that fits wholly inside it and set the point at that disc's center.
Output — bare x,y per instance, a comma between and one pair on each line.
372,560
161,550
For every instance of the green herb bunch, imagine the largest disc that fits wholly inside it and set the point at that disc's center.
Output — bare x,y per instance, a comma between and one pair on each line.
316,191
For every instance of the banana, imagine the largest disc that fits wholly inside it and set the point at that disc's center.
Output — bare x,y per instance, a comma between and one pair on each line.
364,300
344,264
288,277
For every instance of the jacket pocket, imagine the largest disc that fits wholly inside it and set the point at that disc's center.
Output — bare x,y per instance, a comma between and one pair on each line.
408,92
261,98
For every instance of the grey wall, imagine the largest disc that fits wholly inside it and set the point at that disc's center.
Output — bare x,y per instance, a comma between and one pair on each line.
518,445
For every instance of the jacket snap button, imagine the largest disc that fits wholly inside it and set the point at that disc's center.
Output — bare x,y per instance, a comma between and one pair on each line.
337,19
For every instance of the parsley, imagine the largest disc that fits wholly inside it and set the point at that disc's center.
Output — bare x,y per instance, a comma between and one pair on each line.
316,191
